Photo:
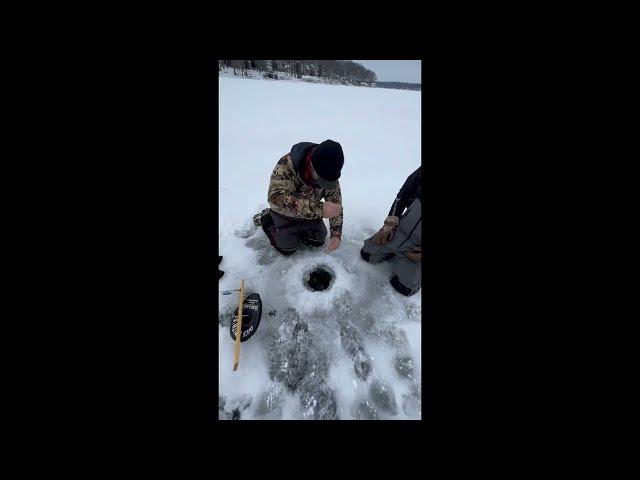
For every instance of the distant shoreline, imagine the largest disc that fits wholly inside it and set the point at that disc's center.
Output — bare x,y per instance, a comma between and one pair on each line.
399,85
284,77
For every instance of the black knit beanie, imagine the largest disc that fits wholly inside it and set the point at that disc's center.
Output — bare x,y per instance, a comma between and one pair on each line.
327,160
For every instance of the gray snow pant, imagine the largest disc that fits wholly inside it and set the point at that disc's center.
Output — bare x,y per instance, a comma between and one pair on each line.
286,232
407,275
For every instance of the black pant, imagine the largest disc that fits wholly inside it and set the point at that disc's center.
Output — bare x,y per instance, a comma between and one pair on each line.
285,233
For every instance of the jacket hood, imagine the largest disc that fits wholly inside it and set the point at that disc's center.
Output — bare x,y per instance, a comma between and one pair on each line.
298,152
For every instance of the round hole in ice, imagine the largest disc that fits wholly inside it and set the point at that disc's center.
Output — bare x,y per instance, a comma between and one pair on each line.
319,278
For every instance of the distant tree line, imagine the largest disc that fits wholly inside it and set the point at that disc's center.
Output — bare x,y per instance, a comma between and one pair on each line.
339,71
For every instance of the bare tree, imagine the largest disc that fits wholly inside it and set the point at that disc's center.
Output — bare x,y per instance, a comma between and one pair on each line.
238,67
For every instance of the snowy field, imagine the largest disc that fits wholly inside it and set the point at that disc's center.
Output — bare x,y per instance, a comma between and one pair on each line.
349,352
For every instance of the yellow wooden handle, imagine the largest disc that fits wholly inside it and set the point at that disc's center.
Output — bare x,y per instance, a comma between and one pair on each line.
236,353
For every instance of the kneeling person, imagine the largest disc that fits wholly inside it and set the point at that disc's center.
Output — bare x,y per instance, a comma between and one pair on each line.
399,241
299,182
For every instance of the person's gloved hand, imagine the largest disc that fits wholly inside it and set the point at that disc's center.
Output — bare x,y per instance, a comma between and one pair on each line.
334,243
415,255
386,232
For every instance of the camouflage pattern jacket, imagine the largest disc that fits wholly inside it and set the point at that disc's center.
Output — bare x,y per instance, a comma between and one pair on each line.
290,196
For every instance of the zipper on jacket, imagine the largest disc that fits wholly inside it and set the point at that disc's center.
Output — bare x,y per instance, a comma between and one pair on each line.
410,233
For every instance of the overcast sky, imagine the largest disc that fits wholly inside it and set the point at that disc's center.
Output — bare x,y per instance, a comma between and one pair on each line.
394,70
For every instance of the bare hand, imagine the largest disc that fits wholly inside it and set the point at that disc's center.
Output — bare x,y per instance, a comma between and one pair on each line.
415,255
334,243
330,210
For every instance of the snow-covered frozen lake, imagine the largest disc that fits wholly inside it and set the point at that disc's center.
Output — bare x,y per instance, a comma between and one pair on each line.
349,352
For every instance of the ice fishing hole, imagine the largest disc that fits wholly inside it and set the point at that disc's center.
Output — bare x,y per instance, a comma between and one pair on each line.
319,278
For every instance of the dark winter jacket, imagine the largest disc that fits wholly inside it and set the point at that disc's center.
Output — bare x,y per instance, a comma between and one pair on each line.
408,235
411,190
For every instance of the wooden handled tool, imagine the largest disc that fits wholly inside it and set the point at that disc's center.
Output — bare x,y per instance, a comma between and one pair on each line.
236,353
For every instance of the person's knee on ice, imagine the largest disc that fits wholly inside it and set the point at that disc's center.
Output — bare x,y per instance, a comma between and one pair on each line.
314,233
286,252
312,242
374,253
407,269
282,234
375,256
401,288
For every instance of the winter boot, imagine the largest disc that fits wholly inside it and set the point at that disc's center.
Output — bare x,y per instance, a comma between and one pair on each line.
258,217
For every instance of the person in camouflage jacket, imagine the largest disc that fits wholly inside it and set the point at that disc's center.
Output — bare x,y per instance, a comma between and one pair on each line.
300,181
